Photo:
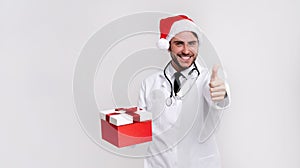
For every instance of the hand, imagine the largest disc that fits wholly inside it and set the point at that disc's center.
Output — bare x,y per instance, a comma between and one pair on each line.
217,86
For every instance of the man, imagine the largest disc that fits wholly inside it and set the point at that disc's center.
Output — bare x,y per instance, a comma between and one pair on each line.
186,101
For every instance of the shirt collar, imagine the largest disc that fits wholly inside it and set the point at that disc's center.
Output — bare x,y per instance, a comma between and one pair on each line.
185,73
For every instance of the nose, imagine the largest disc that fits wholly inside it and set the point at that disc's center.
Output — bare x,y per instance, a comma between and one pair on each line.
186,49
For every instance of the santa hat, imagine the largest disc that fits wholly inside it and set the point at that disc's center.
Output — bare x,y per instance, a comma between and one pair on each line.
171,26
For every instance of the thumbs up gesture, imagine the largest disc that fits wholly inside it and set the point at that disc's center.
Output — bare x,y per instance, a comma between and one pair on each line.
217,85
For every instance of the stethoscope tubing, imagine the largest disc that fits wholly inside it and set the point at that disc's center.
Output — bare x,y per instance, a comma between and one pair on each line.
169,99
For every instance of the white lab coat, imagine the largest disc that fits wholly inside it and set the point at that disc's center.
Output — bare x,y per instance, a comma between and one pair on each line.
182,133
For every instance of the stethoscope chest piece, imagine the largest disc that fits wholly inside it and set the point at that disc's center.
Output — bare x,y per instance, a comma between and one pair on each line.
169,101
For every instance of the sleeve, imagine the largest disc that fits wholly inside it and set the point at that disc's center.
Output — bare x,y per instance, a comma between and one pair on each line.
142,96
212,114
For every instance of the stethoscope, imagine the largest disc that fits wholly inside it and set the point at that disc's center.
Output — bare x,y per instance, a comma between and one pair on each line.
169,100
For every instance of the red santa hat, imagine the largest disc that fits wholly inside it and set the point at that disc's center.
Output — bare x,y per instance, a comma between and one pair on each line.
171,26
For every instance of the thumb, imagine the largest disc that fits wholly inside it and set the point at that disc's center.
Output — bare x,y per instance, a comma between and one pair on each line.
214,74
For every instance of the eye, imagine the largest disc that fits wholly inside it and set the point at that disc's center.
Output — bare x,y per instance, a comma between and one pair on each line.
178,43
192,43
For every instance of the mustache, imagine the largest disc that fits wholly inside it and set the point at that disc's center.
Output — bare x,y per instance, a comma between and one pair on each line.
184,55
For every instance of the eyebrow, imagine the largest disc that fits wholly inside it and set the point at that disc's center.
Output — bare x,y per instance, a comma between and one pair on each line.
179,41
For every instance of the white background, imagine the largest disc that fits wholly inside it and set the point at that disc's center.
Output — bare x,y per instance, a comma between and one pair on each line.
258,42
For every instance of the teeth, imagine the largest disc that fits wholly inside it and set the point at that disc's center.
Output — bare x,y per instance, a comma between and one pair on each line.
186,58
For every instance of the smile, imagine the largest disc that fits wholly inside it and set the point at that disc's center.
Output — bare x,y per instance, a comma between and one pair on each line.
185,57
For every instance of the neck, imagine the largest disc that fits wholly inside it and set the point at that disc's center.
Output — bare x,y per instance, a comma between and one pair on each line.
176,67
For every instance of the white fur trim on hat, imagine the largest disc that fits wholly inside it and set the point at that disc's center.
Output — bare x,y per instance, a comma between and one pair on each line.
184,25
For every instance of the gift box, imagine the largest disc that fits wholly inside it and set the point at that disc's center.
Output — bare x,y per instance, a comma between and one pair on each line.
126,126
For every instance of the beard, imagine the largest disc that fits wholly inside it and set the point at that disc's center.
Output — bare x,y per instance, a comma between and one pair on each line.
182,61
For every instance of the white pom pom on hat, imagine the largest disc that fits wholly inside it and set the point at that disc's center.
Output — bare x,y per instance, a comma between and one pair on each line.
173,25
163,43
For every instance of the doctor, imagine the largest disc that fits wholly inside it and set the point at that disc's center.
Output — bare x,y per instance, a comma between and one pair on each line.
186,101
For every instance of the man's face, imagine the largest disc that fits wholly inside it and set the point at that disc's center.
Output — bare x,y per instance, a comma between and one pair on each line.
183,50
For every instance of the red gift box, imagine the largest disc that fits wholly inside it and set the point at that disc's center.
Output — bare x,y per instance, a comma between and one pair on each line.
126,126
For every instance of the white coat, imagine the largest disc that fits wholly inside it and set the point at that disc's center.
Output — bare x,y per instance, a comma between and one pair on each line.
183,132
